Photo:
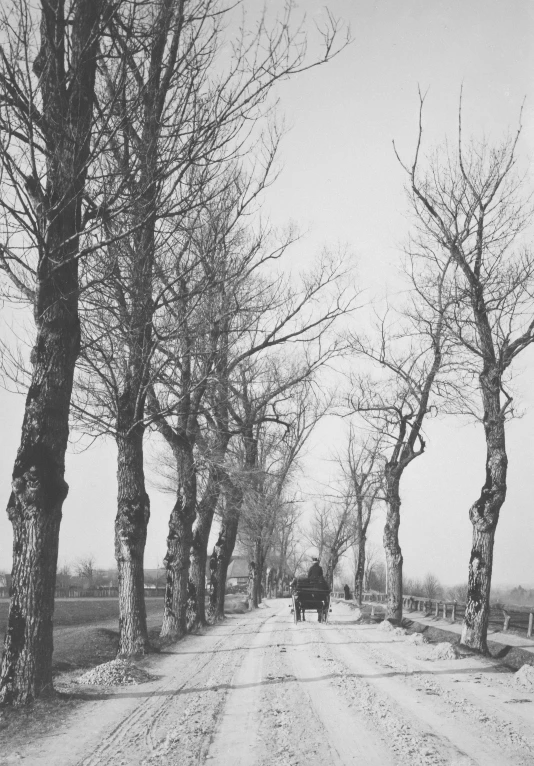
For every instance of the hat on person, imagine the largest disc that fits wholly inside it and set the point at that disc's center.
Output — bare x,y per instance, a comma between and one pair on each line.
314,558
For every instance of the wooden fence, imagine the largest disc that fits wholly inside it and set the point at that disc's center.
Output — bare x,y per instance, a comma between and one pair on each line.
502,617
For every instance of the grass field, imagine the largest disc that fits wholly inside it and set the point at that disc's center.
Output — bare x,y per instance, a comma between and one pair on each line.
80,639
84,611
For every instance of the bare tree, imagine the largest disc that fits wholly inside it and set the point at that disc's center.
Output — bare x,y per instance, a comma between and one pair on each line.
394,406
363,472
47,85
85,567
284,556
334,530
283,419
470,209
432,586
374,555
413,586
178,122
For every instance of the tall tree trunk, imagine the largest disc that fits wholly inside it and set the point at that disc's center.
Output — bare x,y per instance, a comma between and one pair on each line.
227,546
38,485
333,561
131,522
257,578
252,591
199,559
392,549
176,563
360,571
179,542
201,532
484,516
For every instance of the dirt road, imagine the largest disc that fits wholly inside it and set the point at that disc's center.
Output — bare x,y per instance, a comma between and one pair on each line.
261,691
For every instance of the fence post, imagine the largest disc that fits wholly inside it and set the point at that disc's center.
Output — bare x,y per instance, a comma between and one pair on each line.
530,624
436,610
506,619
453,616
444,610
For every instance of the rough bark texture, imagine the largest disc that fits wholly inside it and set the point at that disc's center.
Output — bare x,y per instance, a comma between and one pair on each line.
133,513
360,571
484,516
133,505
333,560
199,560
39,487
227,545
392,549
179,541
258,574
205,513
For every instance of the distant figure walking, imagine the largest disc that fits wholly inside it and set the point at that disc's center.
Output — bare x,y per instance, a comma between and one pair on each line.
347,592
315,571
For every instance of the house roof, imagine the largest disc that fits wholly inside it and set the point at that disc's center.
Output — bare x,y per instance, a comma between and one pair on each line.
238,567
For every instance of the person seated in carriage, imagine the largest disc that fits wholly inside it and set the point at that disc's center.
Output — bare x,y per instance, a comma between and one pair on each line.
315,572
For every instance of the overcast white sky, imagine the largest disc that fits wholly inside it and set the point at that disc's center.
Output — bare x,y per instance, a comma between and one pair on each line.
341,183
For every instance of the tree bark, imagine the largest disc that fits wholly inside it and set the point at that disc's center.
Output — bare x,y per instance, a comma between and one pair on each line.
201,532
198,563
227,545
179,541
131,522
392,549
360,571
330,569
38,486
484,516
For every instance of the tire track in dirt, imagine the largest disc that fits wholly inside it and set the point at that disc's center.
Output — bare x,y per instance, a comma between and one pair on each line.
459,731
169,723
351,738
407,739
291,733
469,680
235,739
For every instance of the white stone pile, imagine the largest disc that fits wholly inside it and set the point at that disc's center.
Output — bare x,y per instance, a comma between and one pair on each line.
525,677
416,638
114,673
442,651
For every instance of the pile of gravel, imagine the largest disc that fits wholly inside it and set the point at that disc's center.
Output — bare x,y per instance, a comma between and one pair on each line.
386,625
442,651
114,673
416,638
525,677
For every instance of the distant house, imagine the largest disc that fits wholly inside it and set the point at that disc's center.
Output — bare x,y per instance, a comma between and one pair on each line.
237,571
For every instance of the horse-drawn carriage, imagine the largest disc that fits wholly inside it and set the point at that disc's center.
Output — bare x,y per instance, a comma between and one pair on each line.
310,594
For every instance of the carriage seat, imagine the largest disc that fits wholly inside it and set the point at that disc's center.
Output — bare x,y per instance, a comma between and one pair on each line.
310,584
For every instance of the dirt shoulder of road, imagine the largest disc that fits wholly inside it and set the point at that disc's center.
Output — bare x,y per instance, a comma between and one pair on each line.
260,690
82,640
512,648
